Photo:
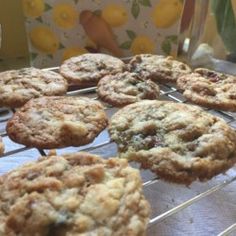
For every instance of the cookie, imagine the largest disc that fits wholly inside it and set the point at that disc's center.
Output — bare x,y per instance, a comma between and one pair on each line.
89,68
54,122
158,68
125,88
210,89
76,194
179,142
19,86
1,146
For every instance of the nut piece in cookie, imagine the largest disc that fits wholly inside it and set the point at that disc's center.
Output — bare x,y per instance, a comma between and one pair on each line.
125,88
210,89
158,68
1,146
19,86
89,68
181,143
76,194
54,122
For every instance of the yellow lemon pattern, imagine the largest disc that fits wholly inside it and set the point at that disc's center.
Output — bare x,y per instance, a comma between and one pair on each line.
166,13
58,30
142,44
44,39
72,52
115,15
65,15
33,8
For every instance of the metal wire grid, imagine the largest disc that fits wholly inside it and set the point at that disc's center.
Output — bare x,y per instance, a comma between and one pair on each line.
168,92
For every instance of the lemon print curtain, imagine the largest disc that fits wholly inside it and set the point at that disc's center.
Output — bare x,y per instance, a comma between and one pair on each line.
58,30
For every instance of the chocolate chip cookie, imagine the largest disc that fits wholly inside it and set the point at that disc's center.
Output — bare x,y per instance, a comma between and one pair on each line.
179,142
210,89
158,68
89,68
54,122
76,194
19,86
125,88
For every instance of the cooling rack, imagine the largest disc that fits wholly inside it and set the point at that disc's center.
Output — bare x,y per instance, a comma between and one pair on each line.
200,209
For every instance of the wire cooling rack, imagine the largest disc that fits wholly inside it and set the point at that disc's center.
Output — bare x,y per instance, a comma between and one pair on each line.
201,209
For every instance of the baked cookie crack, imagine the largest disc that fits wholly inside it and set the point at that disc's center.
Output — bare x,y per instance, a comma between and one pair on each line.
175,137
